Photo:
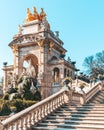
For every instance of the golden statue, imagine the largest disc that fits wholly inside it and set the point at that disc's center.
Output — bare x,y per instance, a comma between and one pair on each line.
29,16
42,14
35,15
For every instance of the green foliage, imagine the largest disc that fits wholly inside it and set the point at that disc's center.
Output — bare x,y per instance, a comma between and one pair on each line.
37,96
18,103
13,101
28,103
15,96
21,104
95,64
5,109
6,96
11,90
20,80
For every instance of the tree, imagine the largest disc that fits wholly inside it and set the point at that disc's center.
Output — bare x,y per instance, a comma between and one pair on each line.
95,64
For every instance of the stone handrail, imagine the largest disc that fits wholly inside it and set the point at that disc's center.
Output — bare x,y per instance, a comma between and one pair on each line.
30,116
82,98
85,97
95,89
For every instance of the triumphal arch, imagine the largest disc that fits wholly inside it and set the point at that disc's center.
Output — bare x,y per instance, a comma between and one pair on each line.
38,52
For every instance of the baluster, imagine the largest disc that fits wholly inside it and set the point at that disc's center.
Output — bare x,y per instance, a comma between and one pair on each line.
42,111
57,102
33,117
54,104
7,127
25,122
21,124
45,107
63,97
29,120
53,107
16,125
11,127
48,107
60,100
36,115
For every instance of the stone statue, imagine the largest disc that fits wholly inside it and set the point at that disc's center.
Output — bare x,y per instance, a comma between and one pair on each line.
31,69
21,84
56,77
42,14
36,16
19,29
29,16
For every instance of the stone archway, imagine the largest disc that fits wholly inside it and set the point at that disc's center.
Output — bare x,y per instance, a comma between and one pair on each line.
32,65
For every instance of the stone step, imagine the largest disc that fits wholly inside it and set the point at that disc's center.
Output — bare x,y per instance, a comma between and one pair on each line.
88,122
74,118
81,108
56,128
97,102
81,111
100,96
87,104
99,99
62,125
78,114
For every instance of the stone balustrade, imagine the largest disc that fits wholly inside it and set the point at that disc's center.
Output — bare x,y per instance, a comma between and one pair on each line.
37,112
95,89
83,97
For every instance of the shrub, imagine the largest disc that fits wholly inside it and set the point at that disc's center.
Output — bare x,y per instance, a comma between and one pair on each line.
5,109
6,96
28,103
11,90
37,96
18,103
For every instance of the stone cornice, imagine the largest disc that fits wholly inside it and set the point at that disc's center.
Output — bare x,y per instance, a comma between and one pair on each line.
36,37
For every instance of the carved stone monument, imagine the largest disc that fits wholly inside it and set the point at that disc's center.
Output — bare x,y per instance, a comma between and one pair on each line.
37,44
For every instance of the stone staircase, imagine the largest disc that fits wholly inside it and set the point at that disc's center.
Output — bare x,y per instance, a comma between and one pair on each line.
76,117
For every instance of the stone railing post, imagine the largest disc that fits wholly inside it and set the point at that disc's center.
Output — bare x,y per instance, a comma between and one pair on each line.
82,99
100,86
5,84
1,126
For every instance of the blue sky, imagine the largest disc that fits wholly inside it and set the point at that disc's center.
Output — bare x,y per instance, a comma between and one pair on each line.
80,23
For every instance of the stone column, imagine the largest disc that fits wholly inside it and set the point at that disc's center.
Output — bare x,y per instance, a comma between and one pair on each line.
5,81
61,72
16,63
